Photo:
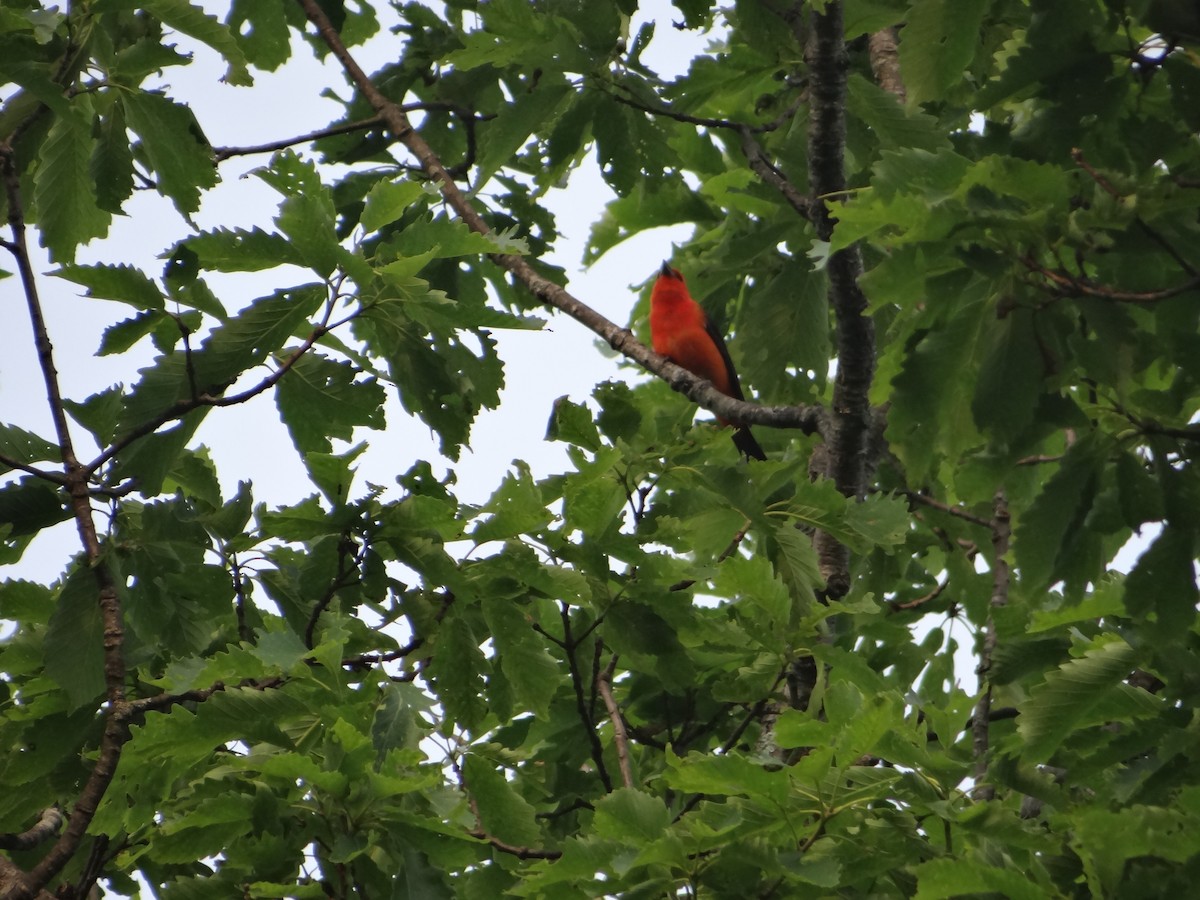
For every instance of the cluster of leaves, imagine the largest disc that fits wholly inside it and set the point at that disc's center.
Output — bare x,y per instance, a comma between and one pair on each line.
590,684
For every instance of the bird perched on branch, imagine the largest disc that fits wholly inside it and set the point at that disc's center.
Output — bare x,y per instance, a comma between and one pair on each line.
681,331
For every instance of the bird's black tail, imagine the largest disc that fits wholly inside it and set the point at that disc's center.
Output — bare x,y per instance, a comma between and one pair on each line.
745,442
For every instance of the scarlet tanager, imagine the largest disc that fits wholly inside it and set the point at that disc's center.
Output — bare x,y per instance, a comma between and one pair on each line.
680,331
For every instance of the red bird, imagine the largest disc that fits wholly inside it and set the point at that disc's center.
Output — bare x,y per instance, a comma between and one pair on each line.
680,331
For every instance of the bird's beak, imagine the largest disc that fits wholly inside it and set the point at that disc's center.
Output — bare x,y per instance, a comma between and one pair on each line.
666,271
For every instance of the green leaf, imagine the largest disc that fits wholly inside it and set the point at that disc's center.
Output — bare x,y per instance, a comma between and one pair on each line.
457,669
572,423
68,213
74,644
99,413
938,43
387,201
26,447
1162,585
307,220
1107,839
174,146
241,250
880,521
1068,694
517,507
940,879
1010,379
532,672
192,20
320,398
232,348
503,137
631,816
125,284
30,504
396,724
1043,532
786,329
503,813
112,162
895,127
728,775
261,30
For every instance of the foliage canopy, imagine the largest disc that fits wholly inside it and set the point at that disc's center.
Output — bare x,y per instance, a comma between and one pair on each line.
663,671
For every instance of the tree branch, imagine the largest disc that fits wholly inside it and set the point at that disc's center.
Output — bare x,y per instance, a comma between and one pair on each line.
182,407
1001,533
916,497
47,824
698,390
570,645
620,735
884,50
76,484
53,477
1066,285
847,437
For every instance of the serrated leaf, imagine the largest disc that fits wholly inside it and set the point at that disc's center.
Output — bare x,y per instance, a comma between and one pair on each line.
754,582
193,21
396,724
321,398
517,507
387,201
307,220
631,816
1068,694
529,668
1162,583
241,250
232,348
112,162
24,446
895,127
30,504
261,30
1010,378
797,564
123,283
939,40
784,327
503,813
729,775
1042,532
503,137
64,193
74,644
940,879
880,521
174,146
456,670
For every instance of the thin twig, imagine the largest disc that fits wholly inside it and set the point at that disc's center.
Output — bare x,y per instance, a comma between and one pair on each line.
581,704
956,511
917,603
1070,286
347,549
52,477
1150,232
181,408
620,735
